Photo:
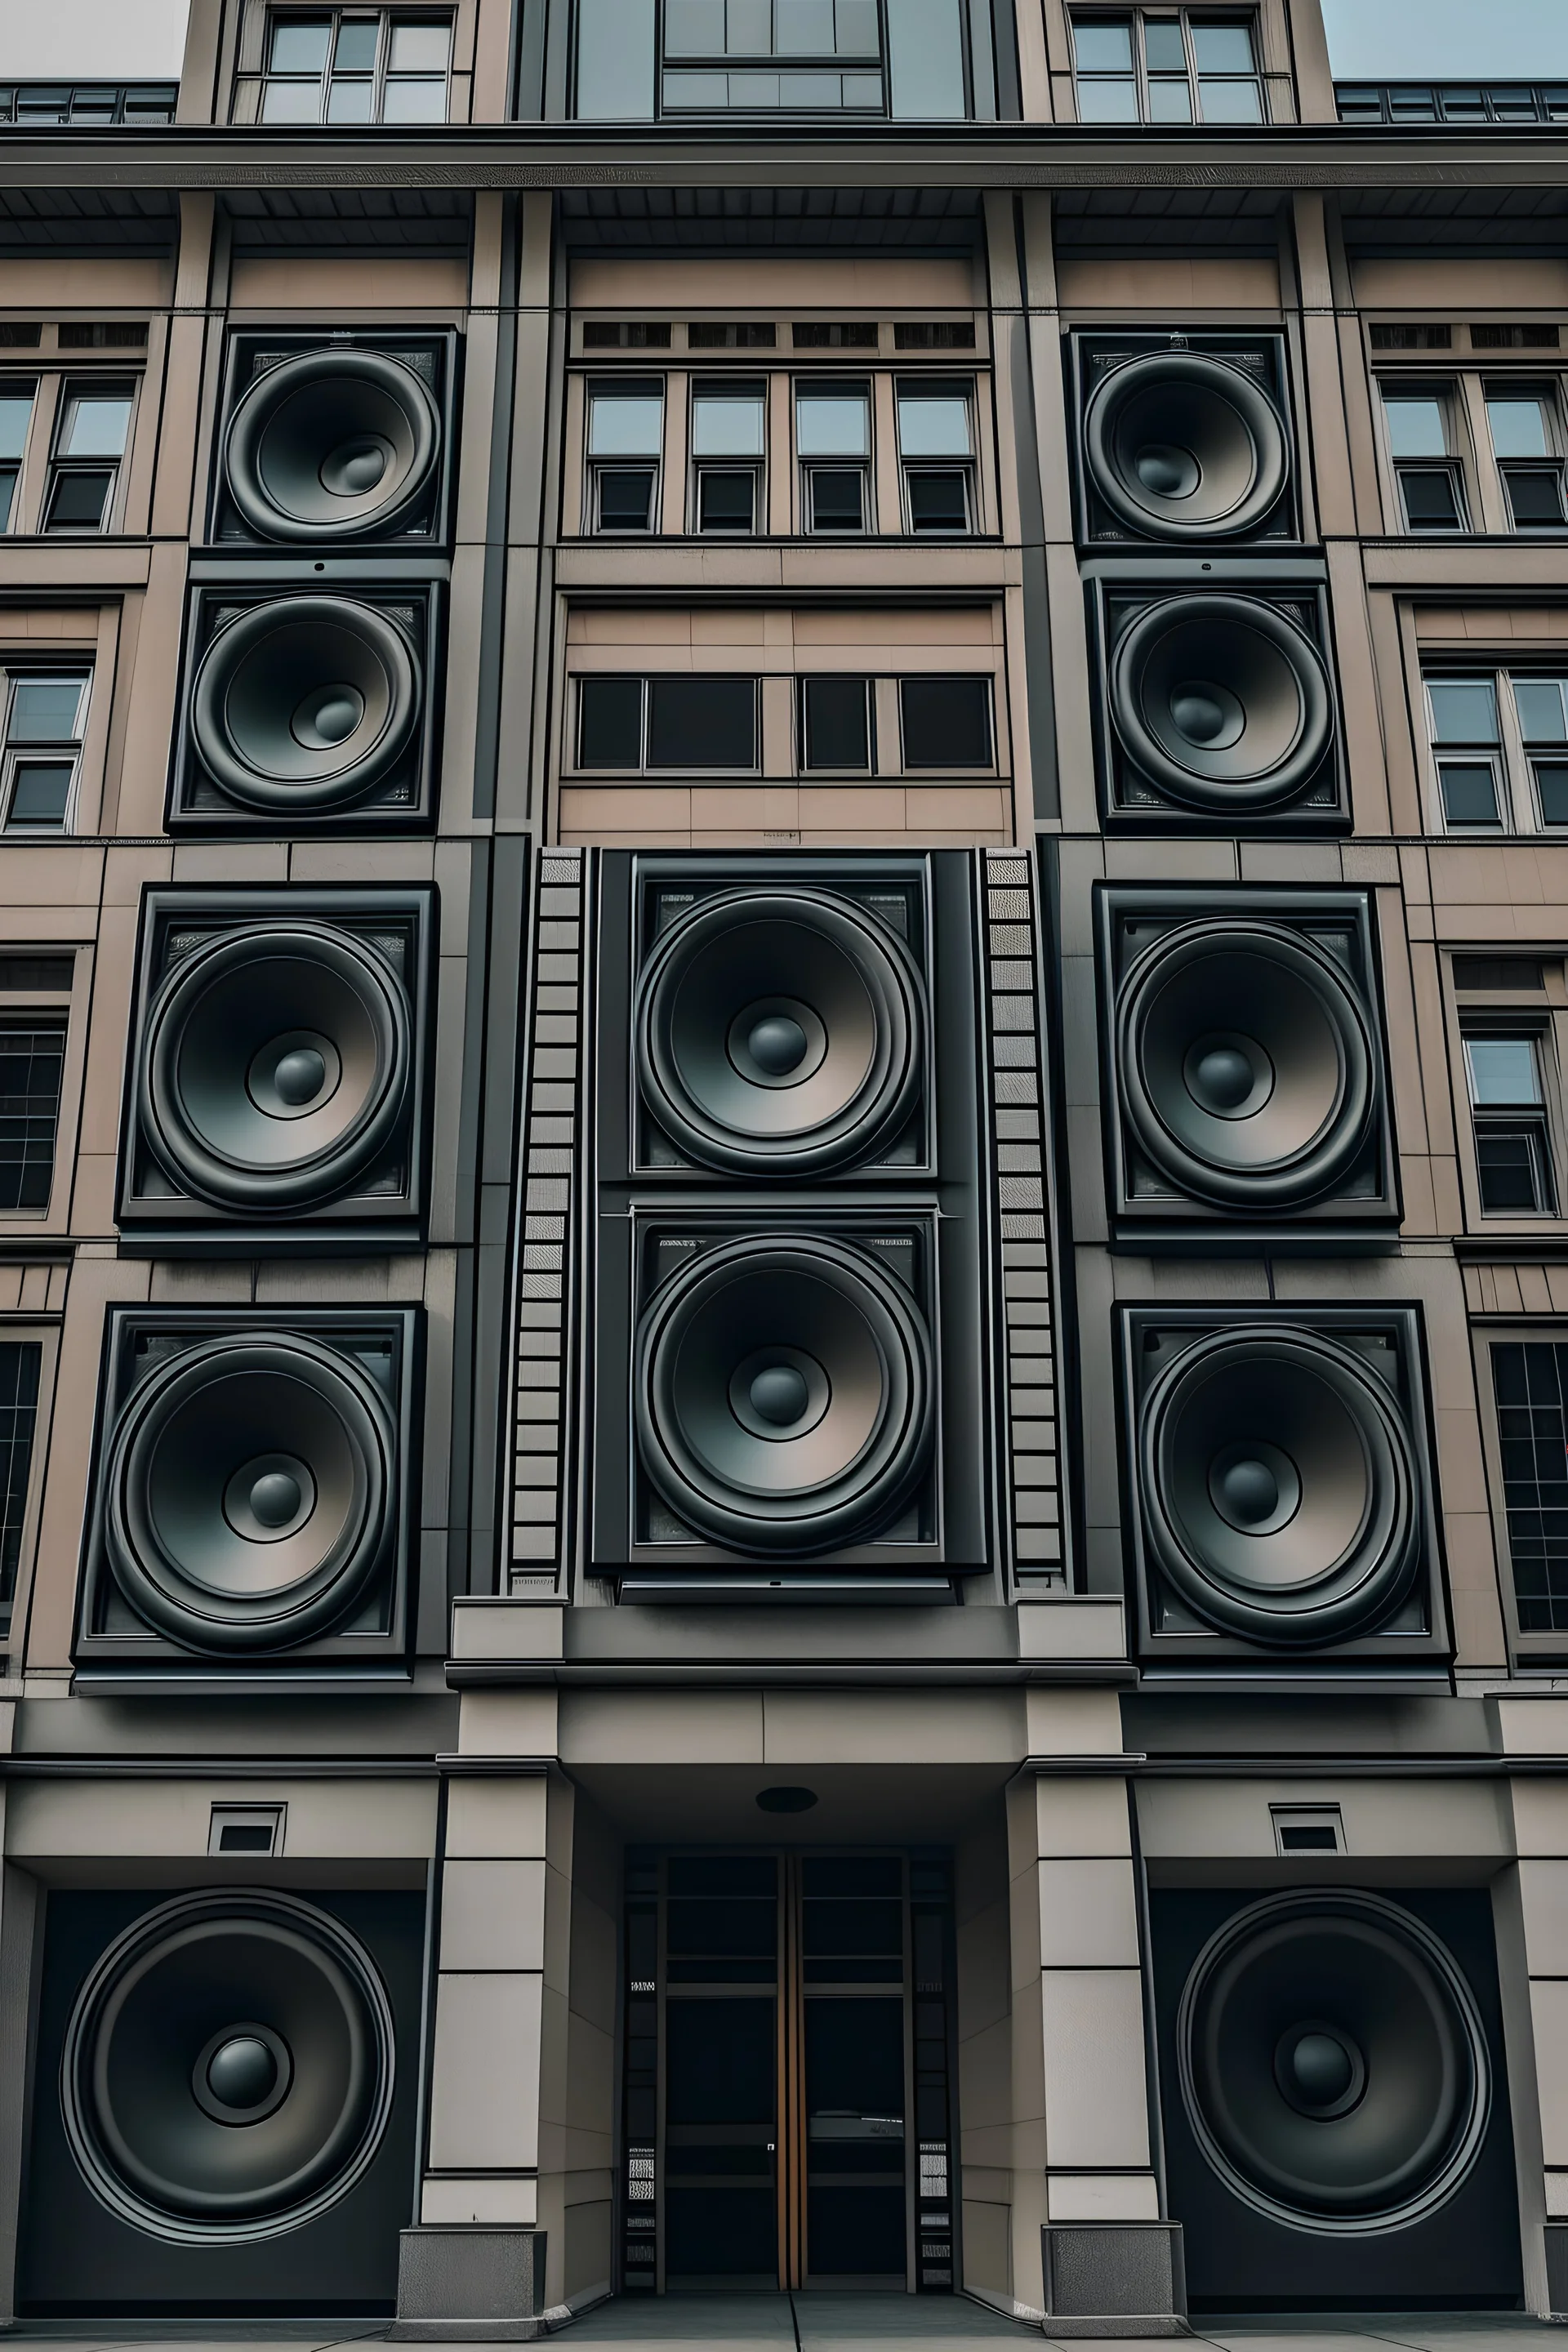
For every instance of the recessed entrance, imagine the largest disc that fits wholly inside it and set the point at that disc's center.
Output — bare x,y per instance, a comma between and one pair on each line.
787,2106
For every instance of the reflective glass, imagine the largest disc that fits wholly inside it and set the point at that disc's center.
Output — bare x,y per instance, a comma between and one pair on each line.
1464,711
933,425
44,709
355,51
415,99
1539,701
1108,102
858,34
1100,47
1502,1070
833,425
1164,51
727,424
16,408
1518,427
1469,792
1223,48
291,101
1230,101
7,492
1415,426
39,792
1170,101
95,425
300,43
708,90
804,29
694,29
420,49
349,101
749,31
625,424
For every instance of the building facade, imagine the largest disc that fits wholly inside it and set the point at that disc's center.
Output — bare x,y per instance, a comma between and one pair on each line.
784,1293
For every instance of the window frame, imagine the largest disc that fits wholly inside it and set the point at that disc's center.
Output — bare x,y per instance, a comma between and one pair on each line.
1529,1647
808,466
388,18
778,63
18,466
1514,758
647,680
71,386
1135,17
703,465
52,1020
596,468
965,468
42,1332
1540,1122
1447,392
806,767
19,670
1547,394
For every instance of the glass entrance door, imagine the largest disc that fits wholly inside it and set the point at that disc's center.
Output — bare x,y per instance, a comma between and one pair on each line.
786,2071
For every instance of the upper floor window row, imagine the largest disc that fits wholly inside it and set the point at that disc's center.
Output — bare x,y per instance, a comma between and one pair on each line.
1159,65
636,60
1477,452
352,65
39,105
63,441
1468,102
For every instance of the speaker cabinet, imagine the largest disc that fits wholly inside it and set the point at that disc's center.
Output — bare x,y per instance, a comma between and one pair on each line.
1217,709
330,440
224,2084
1244,1065
1278,1488
253,1515
312,704
276,1082
791,1234
1335,2099
1183,441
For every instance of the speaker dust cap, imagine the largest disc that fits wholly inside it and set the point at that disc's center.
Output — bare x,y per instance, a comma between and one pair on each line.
1279,1486
1245,1063
228,2068
1222,701
251,1493
1184,446
1333,2064
783,1394
779,1033
276,1062
331,444
304,703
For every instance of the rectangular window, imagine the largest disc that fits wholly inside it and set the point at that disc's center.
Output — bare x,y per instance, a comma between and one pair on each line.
835,723
625,441
833,440
91,435
348,65
1513,1155
728,430
1541,704
16,399
32,1057
1530,1380
20,1361
1431,479
1166,65
936,449
1467,741
768,57
1523,423
946,722
635,723
46,713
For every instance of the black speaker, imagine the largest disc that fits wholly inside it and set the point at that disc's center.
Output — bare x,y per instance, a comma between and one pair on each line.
1278,1489
278,1077
254,1510
1183,440
223,2096
1335,2099
1217,707
1244,1067
311,705
331,439
792,1229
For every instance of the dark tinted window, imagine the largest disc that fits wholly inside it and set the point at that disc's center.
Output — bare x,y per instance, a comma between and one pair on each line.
19,1417
702,722
947,721
611,722
1533,1430
837,732
30,1062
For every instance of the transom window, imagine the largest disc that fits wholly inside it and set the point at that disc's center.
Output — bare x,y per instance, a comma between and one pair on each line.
1179,64
1499,741
46,713
356,66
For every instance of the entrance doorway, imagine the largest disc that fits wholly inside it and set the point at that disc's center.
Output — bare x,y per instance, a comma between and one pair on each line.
786,2108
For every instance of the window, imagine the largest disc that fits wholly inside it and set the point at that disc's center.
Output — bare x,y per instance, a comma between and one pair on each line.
1501,745
91,435
1513,1155
626,438
1530,1379
1179,64
351,66
45,713
936,449
946,721
1524,429
835,723
729,427
32,1057
1466,737
833,438
632,723
1421,443
771,56
20,1366
16,400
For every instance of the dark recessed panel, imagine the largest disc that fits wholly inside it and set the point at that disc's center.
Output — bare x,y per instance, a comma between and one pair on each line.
1335,2099
277,1080
1183,441
253,1514
331,440
1278,1484
1243,1064
309,705
224,2096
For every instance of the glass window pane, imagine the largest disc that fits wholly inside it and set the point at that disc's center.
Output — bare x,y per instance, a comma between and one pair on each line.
1230,101
7,493
625,424
939,501
44,710
1224,48
1464,709
291,101
1517,427
1539,701
833,425
40,790
1508,1163
933,425
1502,1070
804,28
414,102
1101,48
1170,101
355,51
837,498
866,89
1431,497
856,22
697,90
702,722
726,500
420,49
727,424
750,89
95,425
694,29
625,498
79,500
1551,790
615,60
946,721
610,729
1415,426
1534,496
1469,793
1108,102
836,733
1164,51
16,411
349,101
300,43
748,28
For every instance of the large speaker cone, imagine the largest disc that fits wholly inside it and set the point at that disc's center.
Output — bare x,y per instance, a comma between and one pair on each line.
228,2067
1333,2064
1245,1063
783,1394
779,1032
331,444
251,1492
1185,447
1222,701
276,1065
304,703
1279,1489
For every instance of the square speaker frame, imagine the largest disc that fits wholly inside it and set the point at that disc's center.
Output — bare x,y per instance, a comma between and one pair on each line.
157,1219
1117,591
1338,921
1092,353
434,354
1173,1643
414,598
113,1649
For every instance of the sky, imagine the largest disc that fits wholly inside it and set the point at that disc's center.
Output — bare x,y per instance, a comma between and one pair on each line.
1377,40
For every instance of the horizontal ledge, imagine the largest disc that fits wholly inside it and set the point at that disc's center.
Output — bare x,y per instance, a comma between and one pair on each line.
202,1764
772,1674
